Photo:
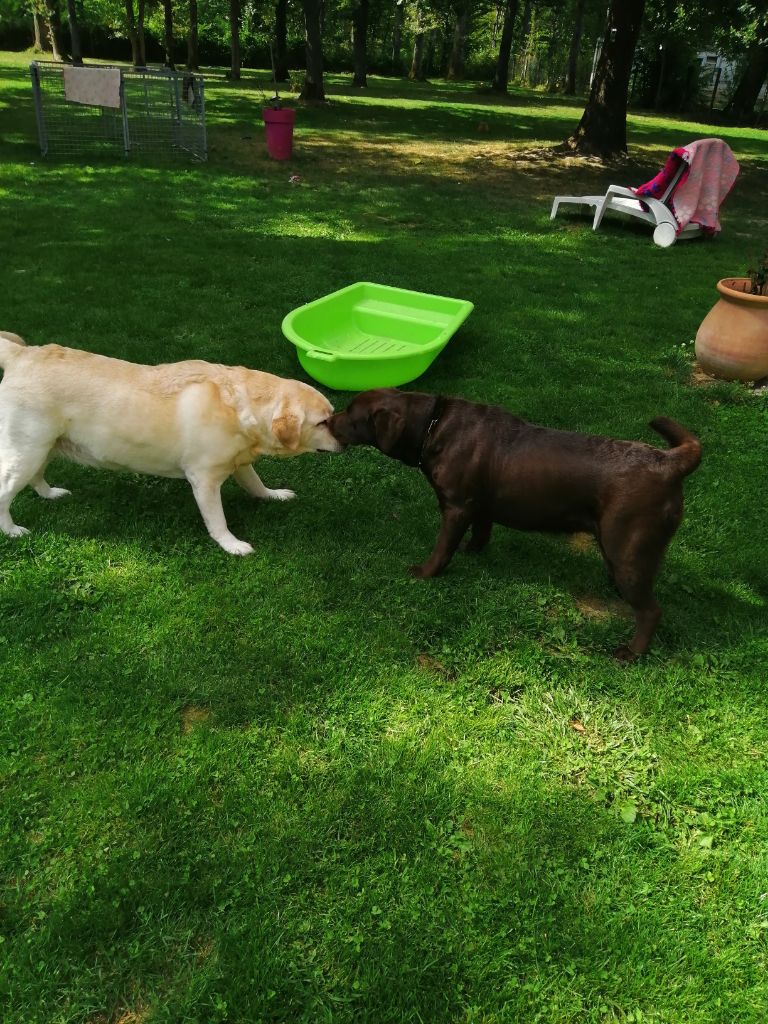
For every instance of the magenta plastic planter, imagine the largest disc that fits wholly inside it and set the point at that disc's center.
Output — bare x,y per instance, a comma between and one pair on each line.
279,128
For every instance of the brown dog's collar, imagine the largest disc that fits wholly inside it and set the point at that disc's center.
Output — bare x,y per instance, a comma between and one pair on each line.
437,411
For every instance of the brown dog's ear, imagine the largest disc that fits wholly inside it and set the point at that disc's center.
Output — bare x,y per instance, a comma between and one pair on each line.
286,424
388,426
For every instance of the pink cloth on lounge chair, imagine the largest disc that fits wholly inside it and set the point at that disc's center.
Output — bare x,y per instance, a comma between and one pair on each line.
656,187
711,170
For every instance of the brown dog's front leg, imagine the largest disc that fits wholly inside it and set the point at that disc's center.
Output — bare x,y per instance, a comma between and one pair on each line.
454,525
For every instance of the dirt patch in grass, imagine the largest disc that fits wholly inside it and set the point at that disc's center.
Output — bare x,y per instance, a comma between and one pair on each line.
582,542
701,379
482,163
597,608
120,1017
192,716
429,664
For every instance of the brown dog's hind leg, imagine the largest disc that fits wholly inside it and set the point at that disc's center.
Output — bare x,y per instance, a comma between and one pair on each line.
454,525
647,615
481,534
634,553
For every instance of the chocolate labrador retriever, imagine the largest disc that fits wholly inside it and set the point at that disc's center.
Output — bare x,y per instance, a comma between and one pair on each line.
488,466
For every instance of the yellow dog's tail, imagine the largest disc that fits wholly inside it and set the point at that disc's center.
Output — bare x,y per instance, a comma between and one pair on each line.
9,347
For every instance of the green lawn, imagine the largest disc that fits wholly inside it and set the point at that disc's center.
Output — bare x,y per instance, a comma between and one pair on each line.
301,786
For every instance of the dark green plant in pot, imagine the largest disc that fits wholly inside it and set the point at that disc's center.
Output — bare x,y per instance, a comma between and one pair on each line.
758,278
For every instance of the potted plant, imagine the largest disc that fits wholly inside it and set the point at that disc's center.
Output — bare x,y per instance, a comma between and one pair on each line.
278,122
732,341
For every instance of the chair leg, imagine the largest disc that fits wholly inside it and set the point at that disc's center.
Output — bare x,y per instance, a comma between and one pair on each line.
599,211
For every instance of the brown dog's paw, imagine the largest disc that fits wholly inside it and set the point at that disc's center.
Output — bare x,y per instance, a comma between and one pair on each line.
623,653
417,571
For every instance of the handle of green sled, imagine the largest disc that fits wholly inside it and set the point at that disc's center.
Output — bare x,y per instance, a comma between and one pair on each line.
318,353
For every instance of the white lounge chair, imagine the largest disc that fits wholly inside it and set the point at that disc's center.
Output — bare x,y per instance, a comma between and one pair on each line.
654,201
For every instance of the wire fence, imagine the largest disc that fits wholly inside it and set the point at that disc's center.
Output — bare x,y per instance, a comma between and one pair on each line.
161,113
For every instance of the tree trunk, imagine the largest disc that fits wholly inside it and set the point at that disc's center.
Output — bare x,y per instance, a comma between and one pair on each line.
42,42
193,61
397,37
416,73
360,44
573,53
501,77
168,34
660,83
314,89
74,34
460,33
602,130
741,105
53,24
554,77
281,40
234,38
428,63
529,54
142,37
133,35
525,31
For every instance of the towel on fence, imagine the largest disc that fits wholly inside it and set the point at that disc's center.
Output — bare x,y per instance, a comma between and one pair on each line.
97,87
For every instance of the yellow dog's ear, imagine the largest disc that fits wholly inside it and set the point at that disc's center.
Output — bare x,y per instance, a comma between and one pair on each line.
286,424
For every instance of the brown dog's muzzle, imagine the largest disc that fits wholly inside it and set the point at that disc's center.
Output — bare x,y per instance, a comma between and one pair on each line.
339,426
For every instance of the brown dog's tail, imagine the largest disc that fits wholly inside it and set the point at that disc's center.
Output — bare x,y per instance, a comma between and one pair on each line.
9,346
684,447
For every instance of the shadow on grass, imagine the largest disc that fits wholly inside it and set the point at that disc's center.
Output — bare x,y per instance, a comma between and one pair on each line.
463,894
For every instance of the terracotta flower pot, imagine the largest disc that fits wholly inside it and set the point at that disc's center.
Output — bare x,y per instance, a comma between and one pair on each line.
732,341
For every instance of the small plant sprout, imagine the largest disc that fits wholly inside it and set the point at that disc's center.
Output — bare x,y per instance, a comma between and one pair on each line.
758,277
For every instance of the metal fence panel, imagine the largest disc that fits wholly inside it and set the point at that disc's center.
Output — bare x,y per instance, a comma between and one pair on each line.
161,114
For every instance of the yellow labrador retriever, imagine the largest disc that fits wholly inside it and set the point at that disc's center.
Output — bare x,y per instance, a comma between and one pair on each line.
192,419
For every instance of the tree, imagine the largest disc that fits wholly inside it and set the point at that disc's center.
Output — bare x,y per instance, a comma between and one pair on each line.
416,74
360,44
741,106
314,89
140,33
602,130
575,47
397,36
136,33
167,33
281,40
460,33
192,57
74,33
52,18
524,38
234,39
42,42
501,76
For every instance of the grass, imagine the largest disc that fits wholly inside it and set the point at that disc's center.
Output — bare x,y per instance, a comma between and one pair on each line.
302,786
